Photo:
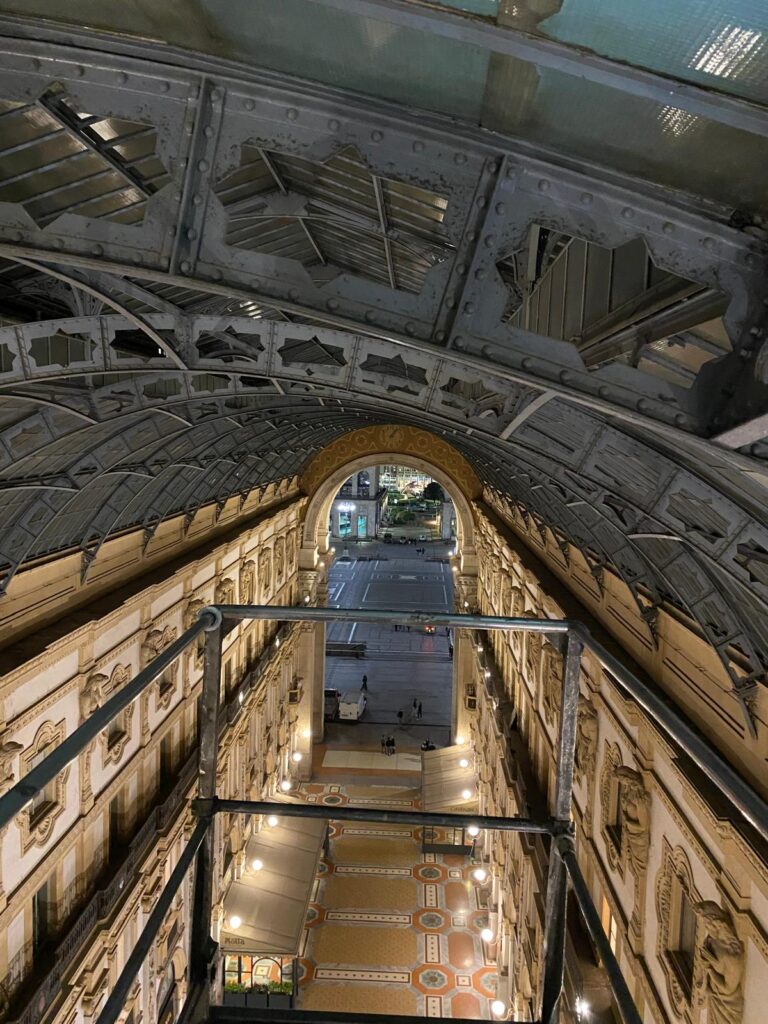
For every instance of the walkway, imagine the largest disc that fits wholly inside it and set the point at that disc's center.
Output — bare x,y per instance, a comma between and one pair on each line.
391,929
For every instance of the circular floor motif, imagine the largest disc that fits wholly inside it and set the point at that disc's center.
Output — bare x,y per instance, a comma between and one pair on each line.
432,920
429,873
333,800
433,979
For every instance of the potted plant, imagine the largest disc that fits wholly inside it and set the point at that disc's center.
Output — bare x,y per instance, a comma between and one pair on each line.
257,997
280,995
234,993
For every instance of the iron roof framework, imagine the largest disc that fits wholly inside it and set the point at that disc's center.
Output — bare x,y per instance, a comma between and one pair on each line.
209,273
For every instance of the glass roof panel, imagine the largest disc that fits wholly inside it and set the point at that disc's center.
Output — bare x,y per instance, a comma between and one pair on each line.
723,44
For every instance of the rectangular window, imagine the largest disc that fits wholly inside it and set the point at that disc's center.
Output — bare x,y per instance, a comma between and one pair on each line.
47,796
684,940
115,829
43,907
166,762
610,927
615,827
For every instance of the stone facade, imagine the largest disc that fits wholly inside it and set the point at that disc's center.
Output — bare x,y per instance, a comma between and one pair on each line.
89,856
682,893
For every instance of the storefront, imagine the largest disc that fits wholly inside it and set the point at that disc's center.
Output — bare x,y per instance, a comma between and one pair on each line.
265,910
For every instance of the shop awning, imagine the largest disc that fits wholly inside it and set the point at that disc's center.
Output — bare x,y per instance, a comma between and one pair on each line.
272,902
445,781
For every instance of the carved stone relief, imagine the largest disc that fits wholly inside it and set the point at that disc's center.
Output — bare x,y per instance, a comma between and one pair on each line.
265,571
36,823
586,741
719,969
224,591
92,694
551,682
247,582
290,551
279,561
9,750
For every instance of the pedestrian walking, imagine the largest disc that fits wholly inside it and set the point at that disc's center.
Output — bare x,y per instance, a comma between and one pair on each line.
383,744
400,717
415,707
418,711
393,745
364,687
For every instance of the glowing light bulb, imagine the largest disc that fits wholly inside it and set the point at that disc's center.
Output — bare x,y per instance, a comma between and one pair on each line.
463,763
474,831
306,599
297,756
257,864
479,874
460,741
241,697
277,641
466,794
582,1008
487,673
307,733
272,820
466,604
498,1008
285,785
235,922
487,935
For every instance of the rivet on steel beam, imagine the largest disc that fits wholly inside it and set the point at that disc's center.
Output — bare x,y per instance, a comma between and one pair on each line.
469,307
439,335
667,227
586,198
543,185
216,94
79,70
709,243
641,405
501,208
480,274
377,136
191,234
332,304
460,158
751,260
459,343
97,250
208,132
291,113
293,294
603,392
202,165
185,266
196,199
249,104
627,213
565,377
122,77
679,420
16,236
333,124
489,241
165,86
481,202
35,63
409,328
217,275
526,363
486,351
418,147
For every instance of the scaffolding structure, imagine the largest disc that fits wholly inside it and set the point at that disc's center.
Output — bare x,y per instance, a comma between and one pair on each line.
571,637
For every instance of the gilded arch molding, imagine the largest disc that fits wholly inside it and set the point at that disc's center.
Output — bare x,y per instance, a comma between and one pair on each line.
388,443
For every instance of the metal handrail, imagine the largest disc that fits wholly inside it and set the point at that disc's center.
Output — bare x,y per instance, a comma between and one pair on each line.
562,859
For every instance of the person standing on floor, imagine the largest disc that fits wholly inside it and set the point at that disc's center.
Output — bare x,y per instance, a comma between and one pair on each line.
415,711
383,744
393,745
418,711
364,687
400,718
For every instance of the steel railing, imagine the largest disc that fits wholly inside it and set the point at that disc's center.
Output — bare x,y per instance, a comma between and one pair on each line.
570,637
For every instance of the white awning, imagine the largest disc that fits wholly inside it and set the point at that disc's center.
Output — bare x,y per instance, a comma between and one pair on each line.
272,902
447,784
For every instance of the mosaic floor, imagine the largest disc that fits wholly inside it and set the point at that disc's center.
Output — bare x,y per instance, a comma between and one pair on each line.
391,929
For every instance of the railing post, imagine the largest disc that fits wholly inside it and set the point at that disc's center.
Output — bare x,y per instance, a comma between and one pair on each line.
557,879
200,954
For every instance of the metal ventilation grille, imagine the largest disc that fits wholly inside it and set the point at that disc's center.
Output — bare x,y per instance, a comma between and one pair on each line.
56,159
